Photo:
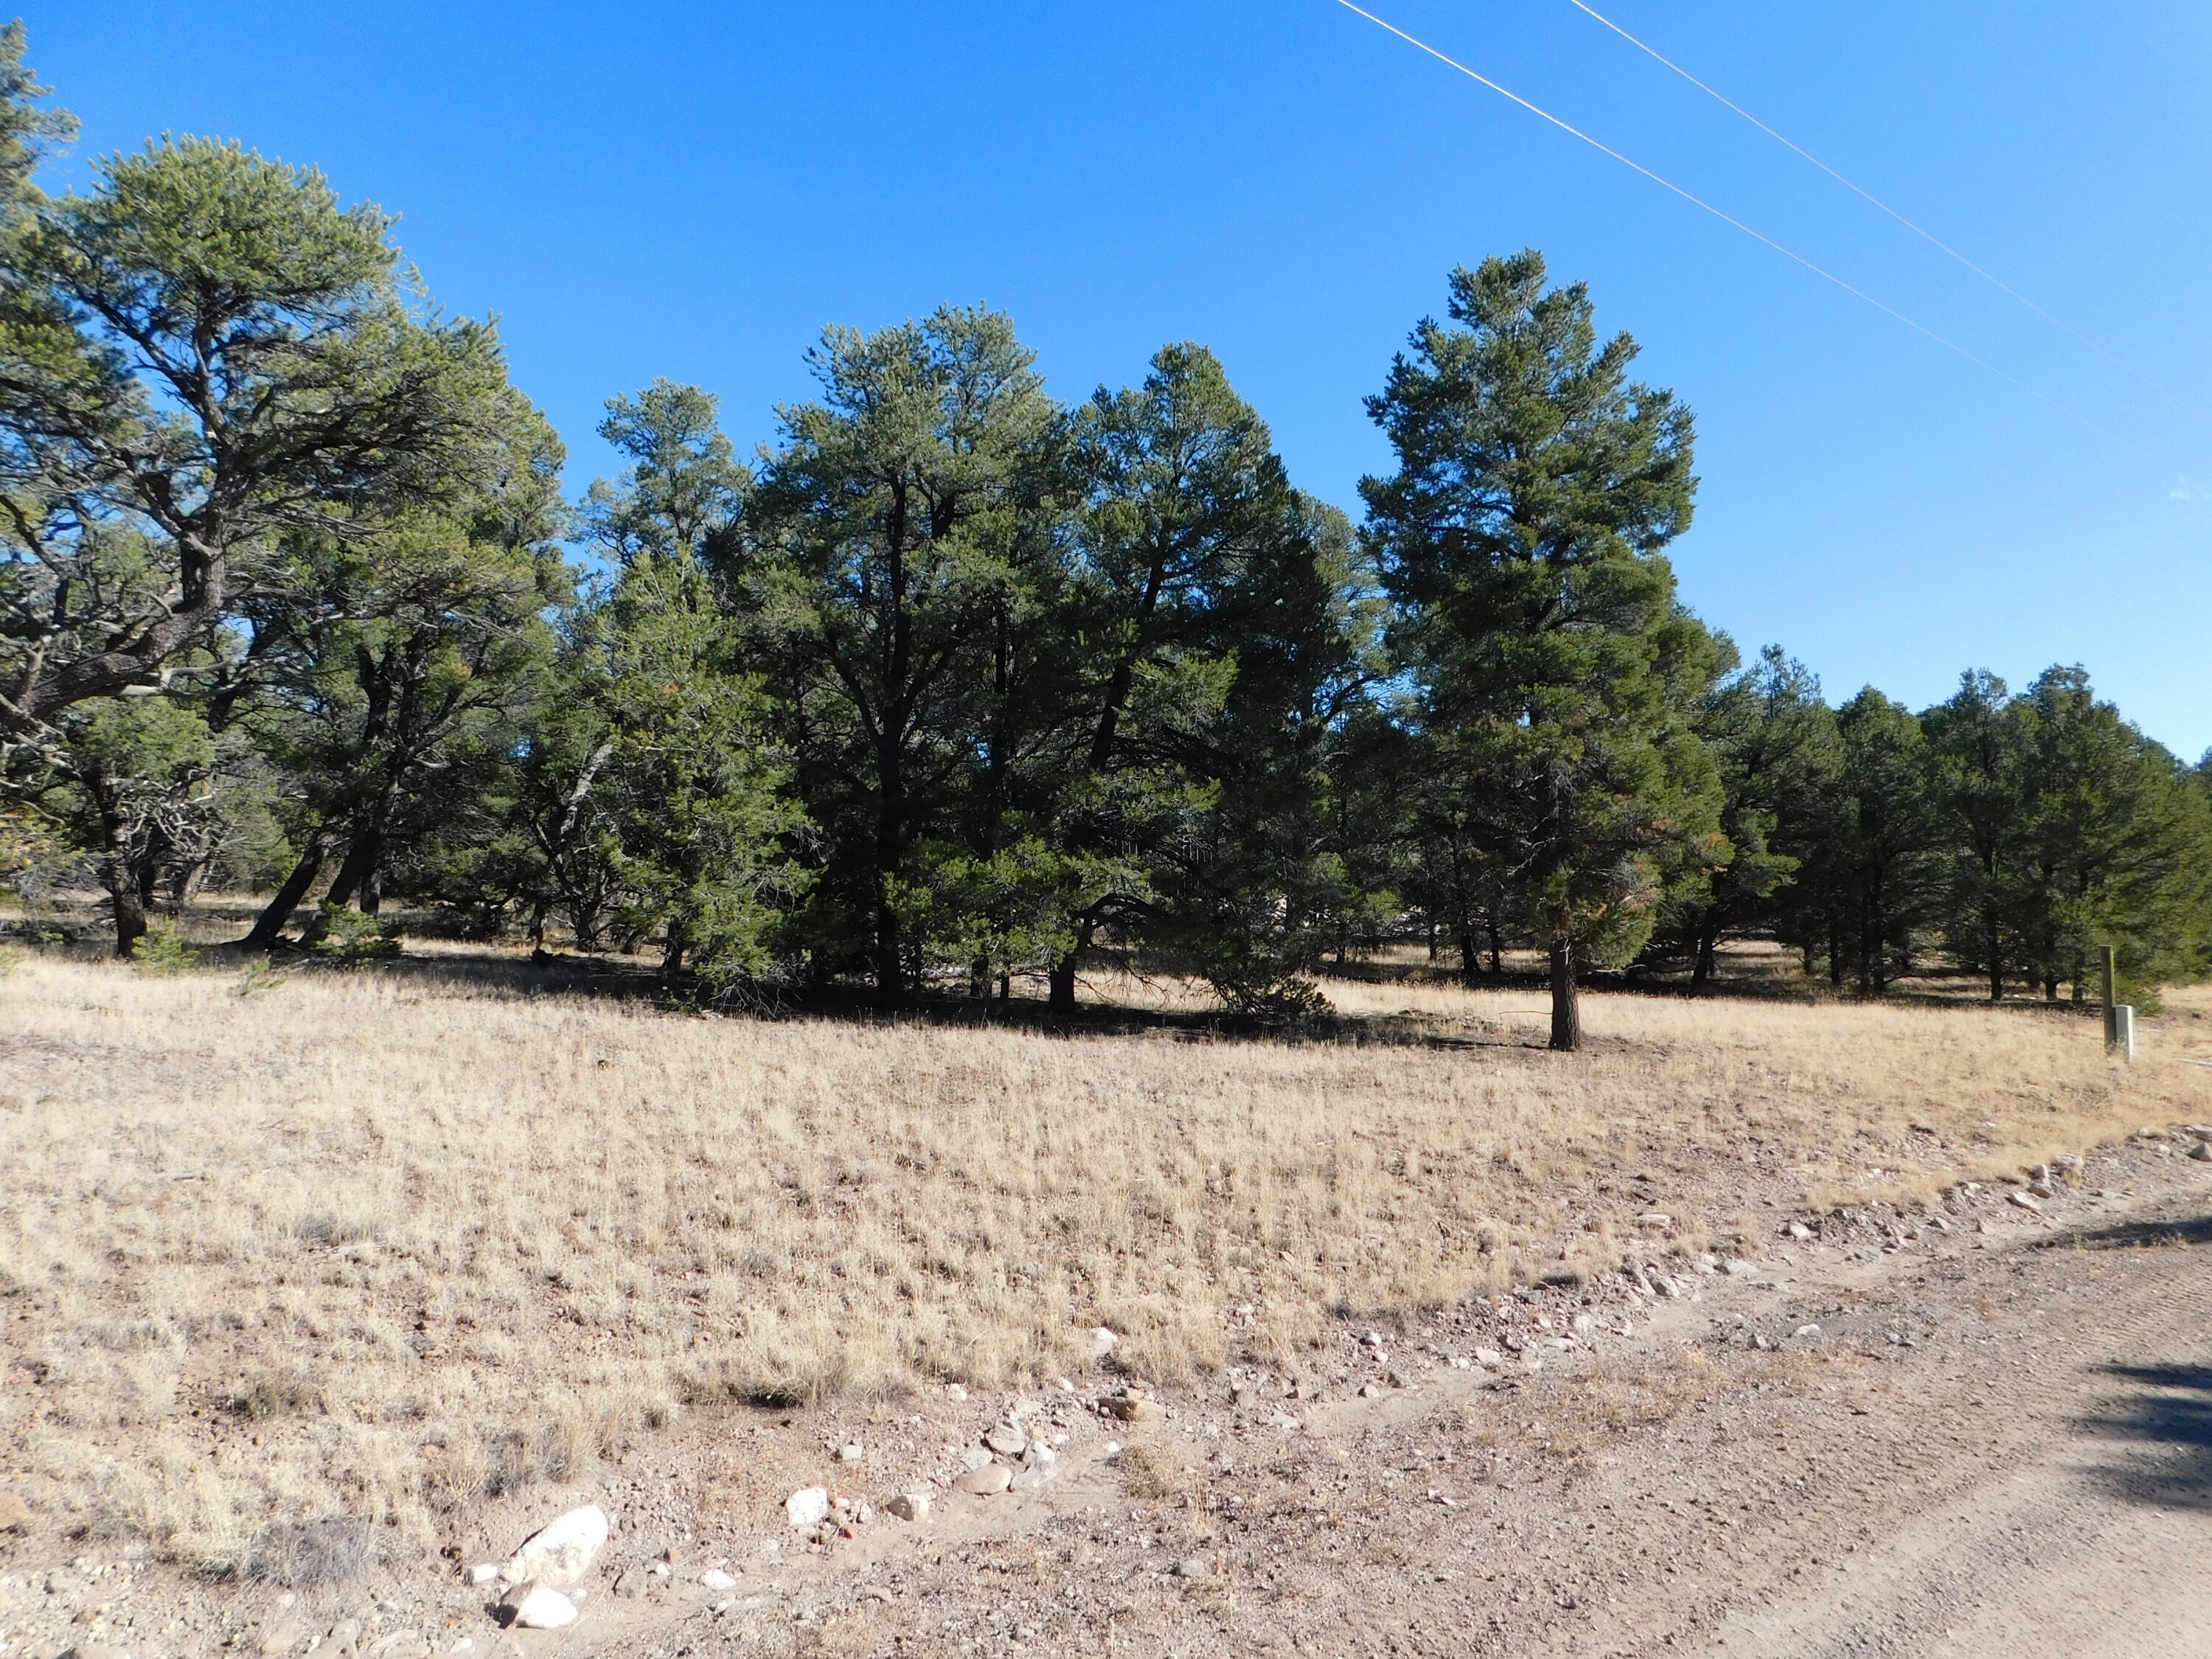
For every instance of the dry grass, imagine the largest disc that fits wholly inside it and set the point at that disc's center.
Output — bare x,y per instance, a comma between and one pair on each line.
354,1250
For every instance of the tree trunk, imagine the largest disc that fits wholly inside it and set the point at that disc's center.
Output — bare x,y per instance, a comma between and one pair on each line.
1496,955
1061,997
1566,1009
115,871
269,926
1470,957
1709,939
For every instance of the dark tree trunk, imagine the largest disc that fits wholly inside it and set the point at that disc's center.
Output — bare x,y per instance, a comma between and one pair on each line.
269,926
1566,1007
1060,994
1497,954
1470,955
1709,939
116,873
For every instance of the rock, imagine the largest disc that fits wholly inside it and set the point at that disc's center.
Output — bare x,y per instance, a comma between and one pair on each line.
1656,1218
851,1452
1007,1440
1130,1409
1489,1358
956,1391
1103,1343
1801,1232
1190,1567
282,1637
1369,1391
484,1573
1736,1268
974,1458
401,1644
992,1477
2201,1151
539,1606
910,1507
715,1579
630,1584
15,1514
1031,1478
1808,1330
560,1555
2023,1200
807,1507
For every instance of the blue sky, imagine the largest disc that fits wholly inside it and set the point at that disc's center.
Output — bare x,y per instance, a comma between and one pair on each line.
694,190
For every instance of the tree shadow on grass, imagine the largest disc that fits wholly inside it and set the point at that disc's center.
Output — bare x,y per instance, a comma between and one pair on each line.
2162,1427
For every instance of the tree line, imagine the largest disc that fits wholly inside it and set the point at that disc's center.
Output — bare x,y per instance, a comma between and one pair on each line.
954,682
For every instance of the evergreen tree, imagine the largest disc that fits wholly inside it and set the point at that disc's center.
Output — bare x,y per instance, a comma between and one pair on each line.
1521,539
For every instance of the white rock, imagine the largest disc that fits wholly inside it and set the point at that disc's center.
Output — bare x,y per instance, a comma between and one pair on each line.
807,1507
1656,1218
484,1573
851,1452
560,1554
990,1478
910,1507
1489,1358
1799,1231
540,1606
715,1579
1007,1440
2023,1200
1808,1330
1103,1342
956,1391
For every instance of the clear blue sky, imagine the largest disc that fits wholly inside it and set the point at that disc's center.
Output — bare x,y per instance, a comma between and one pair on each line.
694,190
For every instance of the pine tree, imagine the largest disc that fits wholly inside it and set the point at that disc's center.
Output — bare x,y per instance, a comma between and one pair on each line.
1521,540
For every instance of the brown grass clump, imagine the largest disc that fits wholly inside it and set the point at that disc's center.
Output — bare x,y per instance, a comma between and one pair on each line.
354,1250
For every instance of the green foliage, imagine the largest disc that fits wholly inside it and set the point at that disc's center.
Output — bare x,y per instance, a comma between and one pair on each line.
1521,541
344,938
963,682
163,952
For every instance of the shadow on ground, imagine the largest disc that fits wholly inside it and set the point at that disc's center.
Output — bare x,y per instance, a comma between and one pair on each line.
2162,1426
2130,1235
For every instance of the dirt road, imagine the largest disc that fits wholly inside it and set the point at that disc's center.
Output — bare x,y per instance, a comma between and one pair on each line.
1996,1443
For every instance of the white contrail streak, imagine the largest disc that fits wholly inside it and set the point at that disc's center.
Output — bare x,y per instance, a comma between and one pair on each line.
1927,236
1725,218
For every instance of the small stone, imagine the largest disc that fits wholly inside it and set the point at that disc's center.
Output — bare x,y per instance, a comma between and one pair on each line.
1808,1330
910,1507
559,1555
1656,1218
1369,1391
1736,1268
1103,1343
991,1479
540,1606
974,1458
1189,1567
630,1584
15,1514
2023,1200
2201,1151
715,1579
1489,1358
851,1452
807,1507
1801,1232
484,1573
1007,1440
956,1391
1130,1409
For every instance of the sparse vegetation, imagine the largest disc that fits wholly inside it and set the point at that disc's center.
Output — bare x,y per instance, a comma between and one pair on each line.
368,1248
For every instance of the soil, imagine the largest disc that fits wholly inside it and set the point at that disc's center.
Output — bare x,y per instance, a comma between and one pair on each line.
1992,1438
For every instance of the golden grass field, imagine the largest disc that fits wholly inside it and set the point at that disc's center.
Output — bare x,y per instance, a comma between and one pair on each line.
366,1245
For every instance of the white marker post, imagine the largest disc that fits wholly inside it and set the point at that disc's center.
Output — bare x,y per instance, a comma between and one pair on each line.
2119,1016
